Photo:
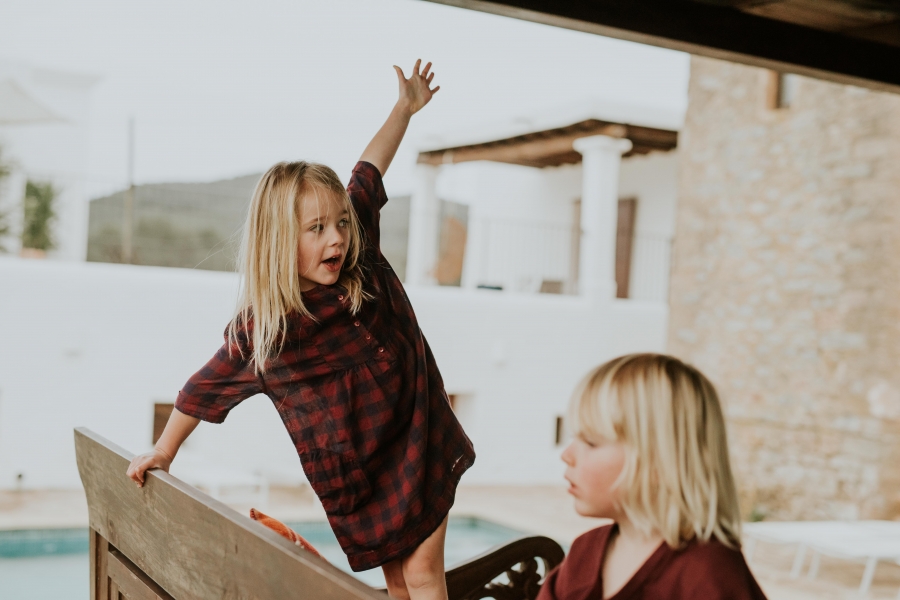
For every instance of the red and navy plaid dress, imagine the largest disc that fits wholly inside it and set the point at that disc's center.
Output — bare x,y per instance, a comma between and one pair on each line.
363,402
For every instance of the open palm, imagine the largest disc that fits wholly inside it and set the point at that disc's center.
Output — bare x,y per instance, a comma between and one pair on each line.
416,92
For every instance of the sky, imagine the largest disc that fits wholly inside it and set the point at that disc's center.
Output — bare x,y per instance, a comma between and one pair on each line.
223,88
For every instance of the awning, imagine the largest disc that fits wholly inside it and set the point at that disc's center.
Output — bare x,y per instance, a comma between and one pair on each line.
18,107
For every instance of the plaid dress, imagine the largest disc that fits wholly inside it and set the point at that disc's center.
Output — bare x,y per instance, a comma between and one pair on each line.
363,402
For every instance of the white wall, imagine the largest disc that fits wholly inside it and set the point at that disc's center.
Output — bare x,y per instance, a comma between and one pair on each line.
89,344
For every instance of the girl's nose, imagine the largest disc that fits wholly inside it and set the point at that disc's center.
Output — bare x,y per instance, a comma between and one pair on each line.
336,238
568,456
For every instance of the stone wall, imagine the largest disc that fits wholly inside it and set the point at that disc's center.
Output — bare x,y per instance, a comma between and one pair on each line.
785,288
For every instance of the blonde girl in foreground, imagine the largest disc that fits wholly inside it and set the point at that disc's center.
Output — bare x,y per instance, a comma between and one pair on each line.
325,330
650,453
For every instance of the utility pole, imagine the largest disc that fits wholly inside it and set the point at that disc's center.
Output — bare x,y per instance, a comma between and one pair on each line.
128,212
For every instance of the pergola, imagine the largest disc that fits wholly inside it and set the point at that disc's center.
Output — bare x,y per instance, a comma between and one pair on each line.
599,145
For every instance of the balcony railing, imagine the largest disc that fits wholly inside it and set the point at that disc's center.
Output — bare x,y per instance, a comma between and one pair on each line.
526,256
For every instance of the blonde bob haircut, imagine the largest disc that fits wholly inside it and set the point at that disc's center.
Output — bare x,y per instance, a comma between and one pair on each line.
269,256
677,479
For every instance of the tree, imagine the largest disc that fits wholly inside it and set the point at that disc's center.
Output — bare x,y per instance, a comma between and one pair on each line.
40,213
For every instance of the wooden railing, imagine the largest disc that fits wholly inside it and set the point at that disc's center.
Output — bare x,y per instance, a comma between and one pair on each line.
169,540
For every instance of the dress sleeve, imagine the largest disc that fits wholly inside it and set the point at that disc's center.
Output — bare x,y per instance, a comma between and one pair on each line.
367,194
223,383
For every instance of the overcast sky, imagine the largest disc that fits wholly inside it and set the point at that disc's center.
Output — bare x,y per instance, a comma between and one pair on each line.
222,88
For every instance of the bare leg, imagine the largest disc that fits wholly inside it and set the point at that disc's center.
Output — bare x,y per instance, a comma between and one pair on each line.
423,570
393,576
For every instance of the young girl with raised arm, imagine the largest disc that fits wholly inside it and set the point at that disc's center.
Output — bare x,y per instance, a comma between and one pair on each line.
650,453
324,329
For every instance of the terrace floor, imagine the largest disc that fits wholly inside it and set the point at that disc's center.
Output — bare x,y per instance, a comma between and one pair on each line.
544,510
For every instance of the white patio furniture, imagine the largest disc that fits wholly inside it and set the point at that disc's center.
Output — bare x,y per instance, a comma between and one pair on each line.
867,542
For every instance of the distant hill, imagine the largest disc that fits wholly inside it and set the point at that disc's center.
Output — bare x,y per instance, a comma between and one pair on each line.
198,225
192,225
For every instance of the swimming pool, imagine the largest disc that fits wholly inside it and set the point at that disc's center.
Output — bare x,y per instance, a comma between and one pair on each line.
52,564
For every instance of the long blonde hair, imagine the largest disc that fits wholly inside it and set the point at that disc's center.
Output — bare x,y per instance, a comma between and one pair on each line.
677,478
268,259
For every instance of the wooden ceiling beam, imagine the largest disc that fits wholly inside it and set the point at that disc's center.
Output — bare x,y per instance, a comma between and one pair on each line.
717,31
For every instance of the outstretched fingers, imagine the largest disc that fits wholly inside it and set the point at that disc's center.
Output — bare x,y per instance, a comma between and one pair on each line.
426,70
416,67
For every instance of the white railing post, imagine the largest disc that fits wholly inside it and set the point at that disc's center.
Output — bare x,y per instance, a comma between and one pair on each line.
476,249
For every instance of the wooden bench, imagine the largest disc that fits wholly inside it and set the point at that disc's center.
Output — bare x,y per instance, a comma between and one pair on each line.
169,540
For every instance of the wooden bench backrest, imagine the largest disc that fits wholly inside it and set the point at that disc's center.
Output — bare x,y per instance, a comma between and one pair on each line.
169,540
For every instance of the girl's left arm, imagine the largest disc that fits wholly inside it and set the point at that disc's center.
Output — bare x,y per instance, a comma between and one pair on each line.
415,93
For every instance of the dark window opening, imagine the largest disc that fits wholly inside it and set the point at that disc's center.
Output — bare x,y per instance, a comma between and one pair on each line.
161,413
624,244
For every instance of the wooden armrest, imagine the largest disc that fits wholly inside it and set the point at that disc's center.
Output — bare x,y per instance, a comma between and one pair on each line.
472,579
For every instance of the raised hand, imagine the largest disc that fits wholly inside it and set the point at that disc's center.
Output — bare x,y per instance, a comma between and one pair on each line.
416,91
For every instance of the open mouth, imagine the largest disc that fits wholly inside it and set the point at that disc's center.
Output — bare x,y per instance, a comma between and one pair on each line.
333,263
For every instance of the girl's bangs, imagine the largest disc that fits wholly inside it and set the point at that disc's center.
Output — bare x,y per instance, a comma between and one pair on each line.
596,413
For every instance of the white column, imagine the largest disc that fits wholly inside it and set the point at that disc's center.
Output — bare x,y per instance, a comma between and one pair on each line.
424,227
602,156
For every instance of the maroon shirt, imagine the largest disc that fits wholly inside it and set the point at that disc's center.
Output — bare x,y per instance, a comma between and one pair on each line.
363,402
701,570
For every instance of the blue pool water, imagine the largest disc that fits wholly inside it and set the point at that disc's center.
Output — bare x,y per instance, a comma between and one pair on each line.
53,564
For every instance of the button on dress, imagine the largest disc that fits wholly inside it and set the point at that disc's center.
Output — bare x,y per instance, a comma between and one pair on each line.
363,402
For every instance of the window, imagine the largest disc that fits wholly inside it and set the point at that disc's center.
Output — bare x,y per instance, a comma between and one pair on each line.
560,430
782,90
161,413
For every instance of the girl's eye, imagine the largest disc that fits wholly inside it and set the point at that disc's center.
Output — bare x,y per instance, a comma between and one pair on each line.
318,227
586,441
343,223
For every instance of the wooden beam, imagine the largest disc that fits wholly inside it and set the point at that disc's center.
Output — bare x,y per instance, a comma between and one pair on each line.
192,546
552,147
718,32
525,152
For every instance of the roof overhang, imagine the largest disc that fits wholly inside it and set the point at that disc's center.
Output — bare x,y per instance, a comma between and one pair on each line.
853,42
553,147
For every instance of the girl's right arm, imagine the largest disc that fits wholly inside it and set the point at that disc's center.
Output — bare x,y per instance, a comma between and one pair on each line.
178,428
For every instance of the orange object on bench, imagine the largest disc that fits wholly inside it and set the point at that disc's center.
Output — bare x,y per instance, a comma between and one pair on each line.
283,530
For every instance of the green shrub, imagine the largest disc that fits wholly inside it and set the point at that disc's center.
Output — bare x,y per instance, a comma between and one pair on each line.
40,213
